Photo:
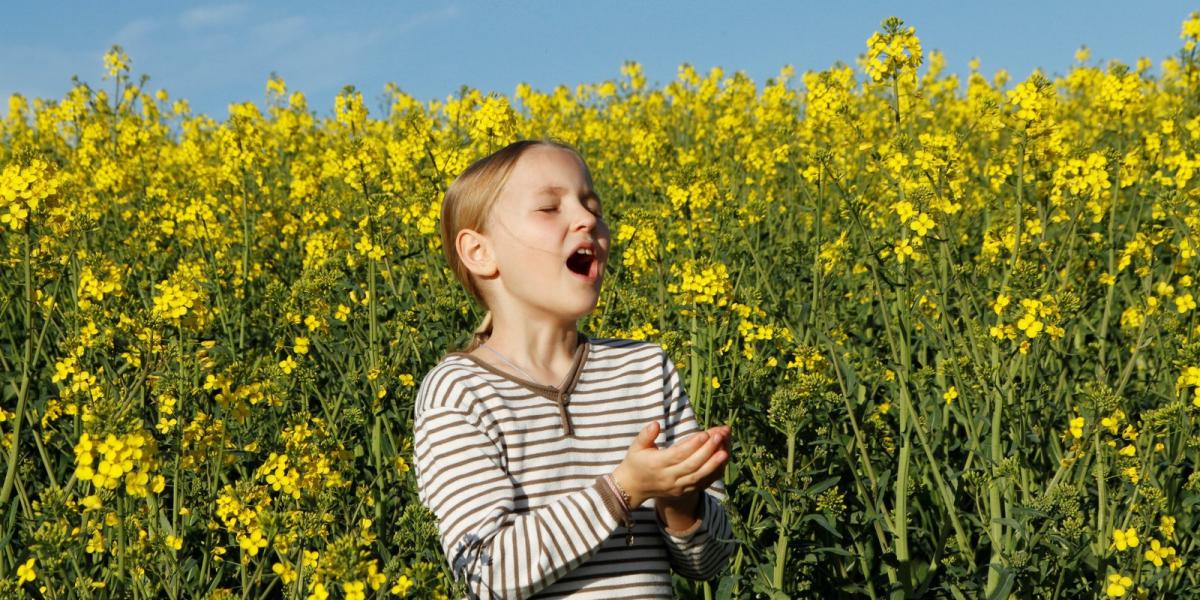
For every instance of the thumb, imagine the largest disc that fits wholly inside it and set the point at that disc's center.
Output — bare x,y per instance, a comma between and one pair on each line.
645,437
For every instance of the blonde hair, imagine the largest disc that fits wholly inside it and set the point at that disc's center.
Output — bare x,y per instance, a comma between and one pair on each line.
468,203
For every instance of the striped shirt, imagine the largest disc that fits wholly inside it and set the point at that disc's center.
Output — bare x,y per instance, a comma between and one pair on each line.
512,469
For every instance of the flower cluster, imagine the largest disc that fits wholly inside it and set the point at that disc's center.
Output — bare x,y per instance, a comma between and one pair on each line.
1038,316
128,459
311,461
1190,377
23,189
641,247
240,510
93,289
893,51
701,283
1087,179
174,301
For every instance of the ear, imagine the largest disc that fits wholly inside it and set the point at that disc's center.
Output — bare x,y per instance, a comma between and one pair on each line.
475,251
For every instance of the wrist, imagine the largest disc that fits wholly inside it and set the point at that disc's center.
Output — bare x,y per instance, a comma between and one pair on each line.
687,504
679,515
634,497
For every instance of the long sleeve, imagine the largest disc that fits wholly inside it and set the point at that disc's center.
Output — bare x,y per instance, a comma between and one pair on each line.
703,551
498,552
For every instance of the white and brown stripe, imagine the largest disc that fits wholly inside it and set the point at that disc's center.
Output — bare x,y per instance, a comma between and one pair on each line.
512,470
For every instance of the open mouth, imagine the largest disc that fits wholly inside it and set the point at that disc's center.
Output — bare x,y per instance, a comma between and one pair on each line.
581,262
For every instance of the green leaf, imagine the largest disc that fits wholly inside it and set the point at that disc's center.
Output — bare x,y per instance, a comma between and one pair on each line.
823,522
1007,521
824,485
834,550
1006,583
725,588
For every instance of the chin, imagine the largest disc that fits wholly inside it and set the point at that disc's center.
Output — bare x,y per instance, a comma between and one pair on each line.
582,310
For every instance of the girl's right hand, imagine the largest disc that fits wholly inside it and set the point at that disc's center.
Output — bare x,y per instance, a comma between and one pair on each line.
647,472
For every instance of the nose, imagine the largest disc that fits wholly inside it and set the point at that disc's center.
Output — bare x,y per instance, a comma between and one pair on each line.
584,219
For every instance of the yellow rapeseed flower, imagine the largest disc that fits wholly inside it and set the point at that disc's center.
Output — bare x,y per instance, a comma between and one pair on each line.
287,365
1124,539
1132,474
318,592
1117,585
905,251
1157,553
950,394
115,61
1077,427
26,572
402,585
1030,324
313,322
1166,526
1184,303
284,570
1002,301
905,210
1110,422
375,579
892,52
1129,433
355,590
91,502
922,223
1190,32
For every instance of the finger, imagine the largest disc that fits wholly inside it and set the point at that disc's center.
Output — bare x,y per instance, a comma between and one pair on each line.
645,437
704,476
681,450
715,468
697,458
722,430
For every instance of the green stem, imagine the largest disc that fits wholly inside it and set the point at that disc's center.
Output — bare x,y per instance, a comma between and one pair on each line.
781,544
11,470
245,274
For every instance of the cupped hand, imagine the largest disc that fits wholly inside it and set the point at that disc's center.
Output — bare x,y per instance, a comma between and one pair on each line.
684,468
687,500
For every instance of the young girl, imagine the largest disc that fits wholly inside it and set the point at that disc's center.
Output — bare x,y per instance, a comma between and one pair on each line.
536,447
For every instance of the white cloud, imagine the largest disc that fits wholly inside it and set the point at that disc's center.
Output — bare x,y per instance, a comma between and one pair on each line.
282,32
430,16
134,31
222,52
209,16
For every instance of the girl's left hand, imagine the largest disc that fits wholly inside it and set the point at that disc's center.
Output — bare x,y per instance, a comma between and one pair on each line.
689,500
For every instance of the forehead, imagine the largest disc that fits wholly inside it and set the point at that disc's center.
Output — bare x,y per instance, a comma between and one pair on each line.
541,167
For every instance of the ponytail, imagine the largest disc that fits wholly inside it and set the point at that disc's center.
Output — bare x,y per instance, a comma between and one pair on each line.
481,334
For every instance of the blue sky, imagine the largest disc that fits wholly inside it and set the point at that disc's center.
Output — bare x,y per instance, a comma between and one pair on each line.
214,53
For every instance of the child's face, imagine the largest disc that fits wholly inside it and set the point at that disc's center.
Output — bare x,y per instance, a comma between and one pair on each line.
546,212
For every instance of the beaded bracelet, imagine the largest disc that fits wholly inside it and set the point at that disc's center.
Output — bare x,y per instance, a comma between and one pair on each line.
626,501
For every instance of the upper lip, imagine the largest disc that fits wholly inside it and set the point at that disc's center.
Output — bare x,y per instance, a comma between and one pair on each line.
585,244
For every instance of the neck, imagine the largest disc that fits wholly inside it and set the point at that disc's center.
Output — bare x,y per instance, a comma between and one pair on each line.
542,346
